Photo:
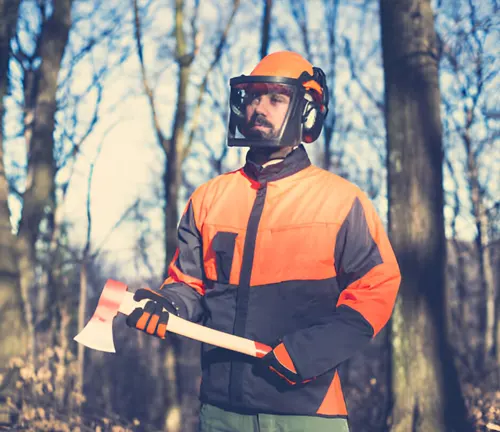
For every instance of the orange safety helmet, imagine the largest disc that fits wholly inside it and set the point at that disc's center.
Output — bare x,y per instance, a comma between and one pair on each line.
287,64
308,105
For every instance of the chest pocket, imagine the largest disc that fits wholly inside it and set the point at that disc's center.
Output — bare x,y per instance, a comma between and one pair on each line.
296,252
222,246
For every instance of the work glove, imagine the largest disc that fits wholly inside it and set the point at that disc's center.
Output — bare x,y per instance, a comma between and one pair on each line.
279,362
153,318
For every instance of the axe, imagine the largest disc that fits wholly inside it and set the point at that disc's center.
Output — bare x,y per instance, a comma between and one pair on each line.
98,333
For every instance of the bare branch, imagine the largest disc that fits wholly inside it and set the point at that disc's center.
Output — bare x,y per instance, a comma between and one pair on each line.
162,140
299,12
203,86
86,248
93,122
350,59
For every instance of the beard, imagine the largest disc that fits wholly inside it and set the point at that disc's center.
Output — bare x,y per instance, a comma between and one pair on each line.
249,130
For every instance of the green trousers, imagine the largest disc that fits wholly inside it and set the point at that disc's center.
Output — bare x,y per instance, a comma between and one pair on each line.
213,419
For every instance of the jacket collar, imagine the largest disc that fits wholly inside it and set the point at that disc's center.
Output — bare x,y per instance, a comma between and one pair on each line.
294,162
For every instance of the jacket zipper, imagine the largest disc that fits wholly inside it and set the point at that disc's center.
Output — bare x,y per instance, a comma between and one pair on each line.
243,293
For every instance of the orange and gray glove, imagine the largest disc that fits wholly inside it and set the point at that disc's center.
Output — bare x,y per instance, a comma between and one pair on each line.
280,363
153,318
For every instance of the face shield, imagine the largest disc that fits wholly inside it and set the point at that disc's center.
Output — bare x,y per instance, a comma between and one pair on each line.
265,111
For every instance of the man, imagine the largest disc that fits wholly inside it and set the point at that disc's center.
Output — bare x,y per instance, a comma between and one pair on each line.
280,252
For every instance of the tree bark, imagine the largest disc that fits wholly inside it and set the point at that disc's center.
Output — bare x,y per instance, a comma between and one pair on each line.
426,390
13,335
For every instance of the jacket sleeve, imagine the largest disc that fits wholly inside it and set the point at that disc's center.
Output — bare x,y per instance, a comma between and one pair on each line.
184,285
368,277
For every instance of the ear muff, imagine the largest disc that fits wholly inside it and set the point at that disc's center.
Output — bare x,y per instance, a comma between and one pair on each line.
312,120
309,114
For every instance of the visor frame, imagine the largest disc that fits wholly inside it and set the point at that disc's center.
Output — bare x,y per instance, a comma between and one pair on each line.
290,132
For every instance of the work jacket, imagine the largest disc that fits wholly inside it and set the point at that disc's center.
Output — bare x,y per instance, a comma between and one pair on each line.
290,253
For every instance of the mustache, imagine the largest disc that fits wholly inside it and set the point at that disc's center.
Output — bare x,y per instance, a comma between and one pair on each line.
259,120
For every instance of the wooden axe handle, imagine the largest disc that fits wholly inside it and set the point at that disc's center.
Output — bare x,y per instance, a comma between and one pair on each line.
201,333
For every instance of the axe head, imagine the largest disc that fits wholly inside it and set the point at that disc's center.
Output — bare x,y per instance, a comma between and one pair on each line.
98,333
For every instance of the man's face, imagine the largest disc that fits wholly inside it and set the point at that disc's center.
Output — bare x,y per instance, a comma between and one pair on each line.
265,111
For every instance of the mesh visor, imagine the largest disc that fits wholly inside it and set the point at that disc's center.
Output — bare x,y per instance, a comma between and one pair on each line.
260,110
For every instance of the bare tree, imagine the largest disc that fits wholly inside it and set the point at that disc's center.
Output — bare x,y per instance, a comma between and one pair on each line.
426,390
18,253
331,48
332,9
266,28
176,148
215,114
43,85
469,63
40,184
13,335
460,306
75,125
40,170
86,260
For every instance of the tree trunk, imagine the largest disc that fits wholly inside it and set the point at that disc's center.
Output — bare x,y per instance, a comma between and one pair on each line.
459,319
171,183
266,28
487,281
179,372
173,177
40,181
329,128
483,251
171,180
82,311
13,334
497,331
426,390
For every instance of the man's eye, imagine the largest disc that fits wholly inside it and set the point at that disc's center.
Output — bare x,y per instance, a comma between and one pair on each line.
278,99
252,97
